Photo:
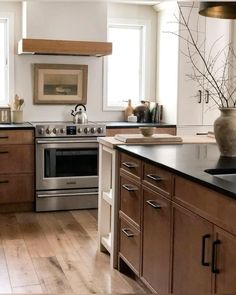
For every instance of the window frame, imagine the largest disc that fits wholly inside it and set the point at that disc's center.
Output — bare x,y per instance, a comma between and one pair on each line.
9,56
129,23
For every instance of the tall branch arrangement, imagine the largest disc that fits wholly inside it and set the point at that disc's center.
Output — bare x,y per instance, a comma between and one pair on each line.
212,70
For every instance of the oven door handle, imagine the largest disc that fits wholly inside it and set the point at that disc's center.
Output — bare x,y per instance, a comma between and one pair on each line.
66,194
66,141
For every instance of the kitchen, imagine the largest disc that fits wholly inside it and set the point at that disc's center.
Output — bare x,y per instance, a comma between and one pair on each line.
67,259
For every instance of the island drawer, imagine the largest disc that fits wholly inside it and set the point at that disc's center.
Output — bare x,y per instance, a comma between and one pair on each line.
209,204
130,198
129,249
130,164
16,137
157,178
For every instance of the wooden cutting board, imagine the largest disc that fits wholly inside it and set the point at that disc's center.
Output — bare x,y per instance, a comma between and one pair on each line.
155,138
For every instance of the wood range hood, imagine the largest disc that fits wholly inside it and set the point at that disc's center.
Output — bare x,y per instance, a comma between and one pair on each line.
64,47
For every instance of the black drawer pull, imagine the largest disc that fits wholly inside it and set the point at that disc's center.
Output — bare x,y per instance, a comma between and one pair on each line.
129,188
127,232
130,165
207,236
154,177
214,268
4,152
154,204
3,137
4,181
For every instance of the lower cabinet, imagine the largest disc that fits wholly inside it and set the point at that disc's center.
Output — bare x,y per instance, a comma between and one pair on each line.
192,239
180,242
156,241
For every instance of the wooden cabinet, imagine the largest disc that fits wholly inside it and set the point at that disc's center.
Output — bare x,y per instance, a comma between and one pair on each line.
156,241
192,238
17,170
177,236
114,131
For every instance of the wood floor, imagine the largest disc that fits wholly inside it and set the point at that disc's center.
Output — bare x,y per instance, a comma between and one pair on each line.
57,253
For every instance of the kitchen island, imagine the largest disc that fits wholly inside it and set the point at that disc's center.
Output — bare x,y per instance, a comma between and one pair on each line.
176,222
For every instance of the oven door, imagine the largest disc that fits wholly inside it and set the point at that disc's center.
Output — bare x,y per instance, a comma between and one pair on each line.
66,163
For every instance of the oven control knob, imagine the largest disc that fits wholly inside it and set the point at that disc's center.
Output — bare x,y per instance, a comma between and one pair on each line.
41,131
55,130
86,130
49,130
100,130
62,130
93,130
80,130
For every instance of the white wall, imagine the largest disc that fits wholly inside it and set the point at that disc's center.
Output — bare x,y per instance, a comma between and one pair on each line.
71,21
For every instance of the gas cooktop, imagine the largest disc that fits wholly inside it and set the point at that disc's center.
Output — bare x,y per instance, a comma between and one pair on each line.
69,129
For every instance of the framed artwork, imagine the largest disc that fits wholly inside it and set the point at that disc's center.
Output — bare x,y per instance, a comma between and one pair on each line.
60,84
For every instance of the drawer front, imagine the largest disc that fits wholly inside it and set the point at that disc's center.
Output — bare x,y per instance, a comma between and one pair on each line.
213,206
16,188
130,196
16,137
130,164
18,159
130,245
157,178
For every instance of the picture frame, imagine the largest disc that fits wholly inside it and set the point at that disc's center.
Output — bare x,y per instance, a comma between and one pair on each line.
60,84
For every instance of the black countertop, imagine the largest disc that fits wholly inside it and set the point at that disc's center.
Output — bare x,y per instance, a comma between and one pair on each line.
12,126
190,161
117,124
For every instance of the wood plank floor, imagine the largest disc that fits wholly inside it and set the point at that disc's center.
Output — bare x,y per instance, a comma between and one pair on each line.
56,253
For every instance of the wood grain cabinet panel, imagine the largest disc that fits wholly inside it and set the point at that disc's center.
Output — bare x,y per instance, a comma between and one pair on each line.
225,262
159,179
16,137
18,159
16,188
131,165
192,248
114,131
130,245
130,198
156,241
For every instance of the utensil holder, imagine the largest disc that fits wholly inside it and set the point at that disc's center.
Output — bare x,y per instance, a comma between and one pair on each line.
17,116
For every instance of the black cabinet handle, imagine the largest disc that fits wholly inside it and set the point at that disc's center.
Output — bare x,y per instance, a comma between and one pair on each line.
214,268
4,181
4,152
154,204
127,232
200,96
3,137
129,188
129,165
207,96
204,238
154,177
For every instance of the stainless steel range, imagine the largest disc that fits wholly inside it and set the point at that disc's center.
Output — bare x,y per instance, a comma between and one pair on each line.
67,165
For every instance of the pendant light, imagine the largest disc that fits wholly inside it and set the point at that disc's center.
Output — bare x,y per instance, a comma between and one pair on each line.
218,9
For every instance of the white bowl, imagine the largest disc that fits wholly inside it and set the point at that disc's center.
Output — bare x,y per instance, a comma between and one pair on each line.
147,131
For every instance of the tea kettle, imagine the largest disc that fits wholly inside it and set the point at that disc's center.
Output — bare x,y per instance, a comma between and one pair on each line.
80,116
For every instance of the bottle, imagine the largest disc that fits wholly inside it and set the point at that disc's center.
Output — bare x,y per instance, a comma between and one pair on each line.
128,110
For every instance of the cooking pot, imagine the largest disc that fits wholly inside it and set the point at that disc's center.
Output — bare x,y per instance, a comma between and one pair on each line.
79,115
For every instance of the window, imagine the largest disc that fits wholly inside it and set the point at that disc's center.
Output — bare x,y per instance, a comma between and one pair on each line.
4,96
125,68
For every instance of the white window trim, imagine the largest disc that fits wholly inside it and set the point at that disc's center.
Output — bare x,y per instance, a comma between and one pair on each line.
146,39
10,48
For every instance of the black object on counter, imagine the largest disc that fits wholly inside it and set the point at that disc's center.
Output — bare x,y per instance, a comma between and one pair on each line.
142,112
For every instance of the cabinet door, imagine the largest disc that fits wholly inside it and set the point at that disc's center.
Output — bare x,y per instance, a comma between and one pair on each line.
225,262
189,95
156,241
192,237
216,43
